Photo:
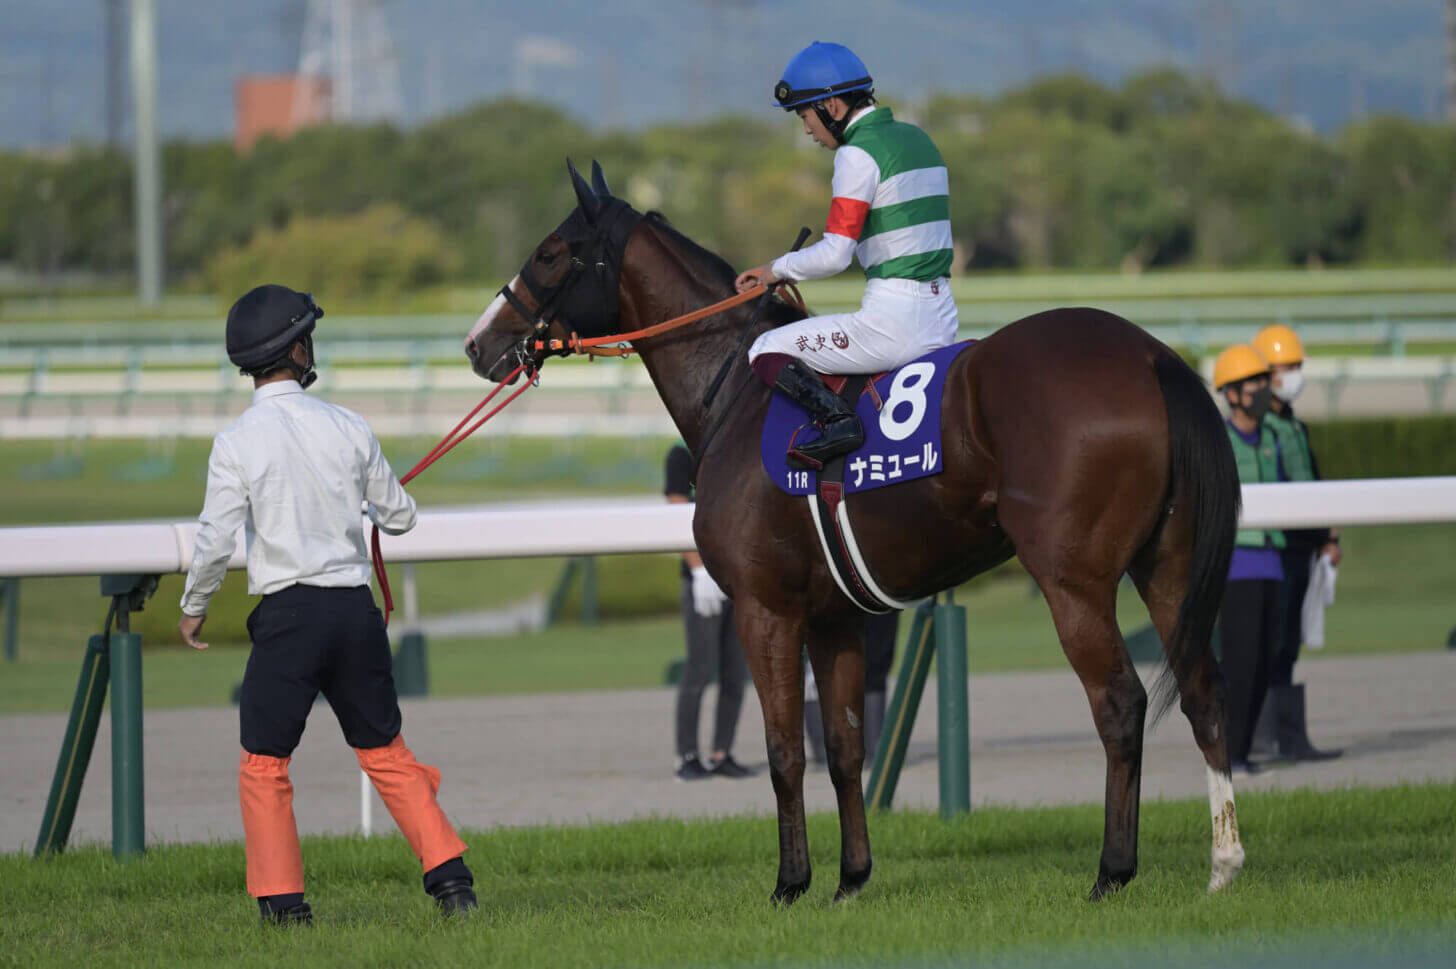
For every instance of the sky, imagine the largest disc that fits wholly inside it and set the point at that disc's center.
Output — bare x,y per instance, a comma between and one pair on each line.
634,63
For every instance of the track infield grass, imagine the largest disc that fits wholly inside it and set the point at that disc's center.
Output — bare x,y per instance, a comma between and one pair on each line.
1367,868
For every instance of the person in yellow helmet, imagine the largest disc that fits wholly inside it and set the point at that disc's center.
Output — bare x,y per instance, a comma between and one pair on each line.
1250,619
1282,728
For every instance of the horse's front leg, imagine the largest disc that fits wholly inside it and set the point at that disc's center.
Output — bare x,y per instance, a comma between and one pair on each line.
772,645
837,652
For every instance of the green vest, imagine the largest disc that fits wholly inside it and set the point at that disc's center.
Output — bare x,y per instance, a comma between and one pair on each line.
1257,465
1293,441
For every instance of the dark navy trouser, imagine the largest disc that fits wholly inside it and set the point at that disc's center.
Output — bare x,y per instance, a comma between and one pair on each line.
309,640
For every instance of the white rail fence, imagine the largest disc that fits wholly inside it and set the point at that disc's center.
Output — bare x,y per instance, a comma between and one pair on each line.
636,525
609,526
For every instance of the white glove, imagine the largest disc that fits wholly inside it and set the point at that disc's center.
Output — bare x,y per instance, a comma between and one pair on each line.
707,597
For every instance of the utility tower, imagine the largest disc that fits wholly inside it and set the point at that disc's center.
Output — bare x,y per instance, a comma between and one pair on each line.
114,77
1217,25
1451,61
348,43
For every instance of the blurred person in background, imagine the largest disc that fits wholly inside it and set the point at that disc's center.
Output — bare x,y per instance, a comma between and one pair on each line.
1282,729
880,632
297,474
1250,618
712,648
891,209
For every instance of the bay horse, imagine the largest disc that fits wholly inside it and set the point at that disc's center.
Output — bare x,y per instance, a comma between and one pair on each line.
1072,439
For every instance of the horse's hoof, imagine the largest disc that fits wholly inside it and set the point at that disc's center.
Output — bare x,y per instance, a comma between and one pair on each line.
851,883
1110,880
1225,868
1107,884
785,895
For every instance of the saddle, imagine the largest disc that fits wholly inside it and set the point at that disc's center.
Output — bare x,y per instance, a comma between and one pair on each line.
900,412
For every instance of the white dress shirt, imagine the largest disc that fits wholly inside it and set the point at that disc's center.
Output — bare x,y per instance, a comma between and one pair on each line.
295,473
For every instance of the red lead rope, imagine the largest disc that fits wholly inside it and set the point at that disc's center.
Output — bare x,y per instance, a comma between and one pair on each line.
447,443
574,344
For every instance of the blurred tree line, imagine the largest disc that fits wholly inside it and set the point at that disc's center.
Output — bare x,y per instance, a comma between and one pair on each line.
1163,171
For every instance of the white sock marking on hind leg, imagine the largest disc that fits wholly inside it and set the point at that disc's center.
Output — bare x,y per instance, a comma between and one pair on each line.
1228,852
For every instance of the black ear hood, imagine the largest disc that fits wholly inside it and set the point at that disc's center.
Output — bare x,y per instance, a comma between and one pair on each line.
586,299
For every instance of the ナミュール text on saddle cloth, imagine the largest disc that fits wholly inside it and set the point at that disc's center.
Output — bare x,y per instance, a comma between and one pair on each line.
532,352
900,412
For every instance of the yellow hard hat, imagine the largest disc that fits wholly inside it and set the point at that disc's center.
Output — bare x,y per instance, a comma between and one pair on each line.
1238,362
1279,344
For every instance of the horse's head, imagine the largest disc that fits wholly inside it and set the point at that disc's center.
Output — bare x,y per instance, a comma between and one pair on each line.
567,286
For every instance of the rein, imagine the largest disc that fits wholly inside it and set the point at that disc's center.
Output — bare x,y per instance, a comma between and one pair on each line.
596,346
600,346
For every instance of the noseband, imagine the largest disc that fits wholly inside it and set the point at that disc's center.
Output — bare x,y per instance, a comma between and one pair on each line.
585,299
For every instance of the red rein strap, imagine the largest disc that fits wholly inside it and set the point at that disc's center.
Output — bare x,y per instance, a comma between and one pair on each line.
574,344
447,443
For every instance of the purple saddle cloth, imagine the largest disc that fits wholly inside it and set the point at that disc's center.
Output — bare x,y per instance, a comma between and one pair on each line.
900,412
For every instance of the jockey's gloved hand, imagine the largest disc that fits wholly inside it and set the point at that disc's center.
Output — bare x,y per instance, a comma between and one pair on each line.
707,597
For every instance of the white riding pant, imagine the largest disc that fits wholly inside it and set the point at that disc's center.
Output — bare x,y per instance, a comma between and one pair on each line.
899,320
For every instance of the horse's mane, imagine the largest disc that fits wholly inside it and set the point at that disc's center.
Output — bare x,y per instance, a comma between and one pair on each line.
717,269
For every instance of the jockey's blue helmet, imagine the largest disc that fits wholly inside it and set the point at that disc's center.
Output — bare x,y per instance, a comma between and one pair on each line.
821,71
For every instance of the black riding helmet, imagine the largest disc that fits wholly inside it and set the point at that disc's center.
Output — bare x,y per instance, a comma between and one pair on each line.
263,326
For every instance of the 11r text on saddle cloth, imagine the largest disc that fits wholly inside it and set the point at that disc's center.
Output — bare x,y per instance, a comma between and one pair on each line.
902,437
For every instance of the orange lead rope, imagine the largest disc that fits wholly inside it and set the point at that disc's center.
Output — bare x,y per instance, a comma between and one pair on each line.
598,346
575,344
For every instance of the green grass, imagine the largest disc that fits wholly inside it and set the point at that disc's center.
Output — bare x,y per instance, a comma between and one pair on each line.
1357,870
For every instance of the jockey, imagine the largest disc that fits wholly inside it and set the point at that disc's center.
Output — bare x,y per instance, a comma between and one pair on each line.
891,208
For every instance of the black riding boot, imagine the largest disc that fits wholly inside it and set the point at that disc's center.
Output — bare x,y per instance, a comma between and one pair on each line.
1293,733
841,430
1266,730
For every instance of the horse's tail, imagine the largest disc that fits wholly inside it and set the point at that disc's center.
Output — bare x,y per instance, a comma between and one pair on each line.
1203,486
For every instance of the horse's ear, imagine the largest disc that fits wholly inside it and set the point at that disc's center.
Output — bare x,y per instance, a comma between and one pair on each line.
591,206
599,181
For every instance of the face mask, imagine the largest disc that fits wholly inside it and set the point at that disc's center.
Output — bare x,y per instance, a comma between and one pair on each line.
1260,406
306,374
1291,384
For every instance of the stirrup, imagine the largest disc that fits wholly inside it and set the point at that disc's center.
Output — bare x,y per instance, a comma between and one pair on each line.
831,443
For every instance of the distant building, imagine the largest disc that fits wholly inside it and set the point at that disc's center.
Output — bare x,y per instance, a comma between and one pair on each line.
278,104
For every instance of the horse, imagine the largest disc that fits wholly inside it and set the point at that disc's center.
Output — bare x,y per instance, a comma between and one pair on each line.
1072,439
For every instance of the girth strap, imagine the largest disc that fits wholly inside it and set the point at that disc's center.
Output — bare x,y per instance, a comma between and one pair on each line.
836,537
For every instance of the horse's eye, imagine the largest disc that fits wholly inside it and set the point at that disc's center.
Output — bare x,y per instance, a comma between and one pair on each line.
545,256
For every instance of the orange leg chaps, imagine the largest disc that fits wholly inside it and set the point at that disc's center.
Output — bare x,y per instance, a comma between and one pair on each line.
408,790
275,864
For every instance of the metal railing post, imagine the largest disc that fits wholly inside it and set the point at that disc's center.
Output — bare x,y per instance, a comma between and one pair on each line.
128,830
953,739
904,704
80,738
11,594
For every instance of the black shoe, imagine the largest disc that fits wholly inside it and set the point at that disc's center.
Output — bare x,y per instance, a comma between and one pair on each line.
726,766
841,431
692,769
1245,767
455,898
299,914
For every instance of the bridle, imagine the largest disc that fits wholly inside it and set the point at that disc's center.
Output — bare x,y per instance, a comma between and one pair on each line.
598,255
595,263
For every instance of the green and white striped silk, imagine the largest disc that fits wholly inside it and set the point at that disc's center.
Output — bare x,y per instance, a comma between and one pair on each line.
906,233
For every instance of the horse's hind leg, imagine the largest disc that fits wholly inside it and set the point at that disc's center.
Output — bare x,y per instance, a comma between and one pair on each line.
772,646
1161,576
837,652
1084,607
